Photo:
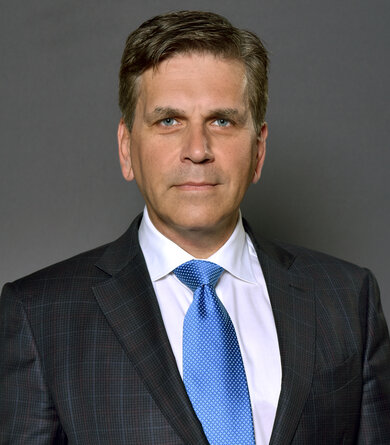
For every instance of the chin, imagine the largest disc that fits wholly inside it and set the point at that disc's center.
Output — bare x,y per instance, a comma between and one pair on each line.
195,219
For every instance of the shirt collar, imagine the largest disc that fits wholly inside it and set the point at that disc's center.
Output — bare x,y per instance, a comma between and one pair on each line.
163,255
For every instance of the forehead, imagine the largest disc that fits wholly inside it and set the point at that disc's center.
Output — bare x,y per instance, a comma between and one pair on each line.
195,78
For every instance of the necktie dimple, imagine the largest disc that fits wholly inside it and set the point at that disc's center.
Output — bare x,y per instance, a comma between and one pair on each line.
213,371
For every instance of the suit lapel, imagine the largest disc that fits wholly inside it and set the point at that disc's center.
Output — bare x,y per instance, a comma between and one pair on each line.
293,303
128,301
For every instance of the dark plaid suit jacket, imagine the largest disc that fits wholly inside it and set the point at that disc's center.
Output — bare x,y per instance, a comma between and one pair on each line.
85,359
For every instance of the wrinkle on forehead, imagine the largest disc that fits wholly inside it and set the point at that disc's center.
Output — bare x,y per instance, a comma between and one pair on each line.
189,67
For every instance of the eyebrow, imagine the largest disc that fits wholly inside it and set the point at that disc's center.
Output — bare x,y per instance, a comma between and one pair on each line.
229,113
163,112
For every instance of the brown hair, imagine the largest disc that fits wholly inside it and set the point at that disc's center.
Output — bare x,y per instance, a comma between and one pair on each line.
192,31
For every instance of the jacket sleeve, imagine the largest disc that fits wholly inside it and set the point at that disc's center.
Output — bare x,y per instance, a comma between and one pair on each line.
375,407
27,414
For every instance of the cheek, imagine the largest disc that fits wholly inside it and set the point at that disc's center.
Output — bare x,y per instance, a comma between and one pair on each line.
240,160
151,167
156,152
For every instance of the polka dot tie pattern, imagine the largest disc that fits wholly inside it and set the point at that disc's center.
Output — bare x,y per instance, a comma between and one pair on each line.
213,371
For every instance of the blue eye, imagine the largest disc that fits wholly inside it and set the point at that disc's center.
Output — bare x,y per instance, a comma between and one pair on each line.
222,122
168,122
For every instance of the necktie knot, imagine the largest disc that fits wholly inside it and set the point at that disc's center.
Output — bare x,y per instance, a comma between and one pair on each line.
196,273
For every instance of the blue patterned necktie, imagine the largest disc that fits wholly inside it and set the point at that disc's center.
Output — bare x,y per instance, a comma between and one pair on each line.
213,371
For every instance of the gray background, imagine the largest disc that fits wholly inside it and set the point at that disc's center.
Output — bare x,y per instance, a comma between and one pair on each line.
325,183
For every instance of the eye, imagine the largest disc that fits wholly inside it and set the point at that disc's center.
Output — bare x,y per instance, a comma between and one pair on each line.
168,122
221,122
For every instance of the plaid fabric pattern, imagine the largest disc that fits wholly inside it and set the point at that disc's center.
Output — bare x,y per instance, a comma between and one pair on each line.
85,359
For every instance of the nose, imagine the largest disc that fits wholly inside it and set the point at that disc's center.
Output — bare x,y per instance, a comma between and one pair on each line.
196,146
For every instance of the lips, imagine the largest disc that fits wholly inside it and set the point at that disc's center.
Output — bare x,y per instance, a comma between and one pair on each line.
195,186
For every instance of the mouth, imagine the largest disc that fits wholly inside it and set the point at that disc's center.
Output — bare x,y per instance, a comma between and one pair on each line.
196,186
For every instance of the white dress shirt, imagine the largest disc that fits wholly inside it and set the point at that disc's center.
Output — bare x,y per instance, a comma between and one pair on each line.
243,292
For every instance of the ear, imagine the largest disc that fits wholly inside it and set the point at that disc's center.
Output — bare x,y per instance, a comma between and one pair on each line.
124,151
260,152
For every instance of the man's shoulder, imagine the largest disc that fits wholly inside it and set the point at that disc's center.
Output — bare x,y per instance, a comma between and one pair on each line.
68,273
314,264
323,267
309,255
84,269
292,254
77,264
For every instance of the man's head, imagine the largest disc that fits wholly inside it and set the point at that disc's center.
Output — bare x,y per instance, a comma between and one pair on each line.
193,133
175,33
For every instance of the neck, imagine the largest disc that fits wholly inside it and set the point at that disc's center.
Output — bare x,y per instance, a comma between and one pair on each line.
201,243
200,246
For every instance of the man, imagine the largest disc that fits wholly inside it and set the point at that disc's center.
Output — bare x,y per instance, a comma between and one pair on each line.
105,347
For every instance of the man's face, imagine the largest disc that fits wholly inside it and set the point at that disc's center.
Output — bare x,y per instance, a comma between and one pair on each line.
192,150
